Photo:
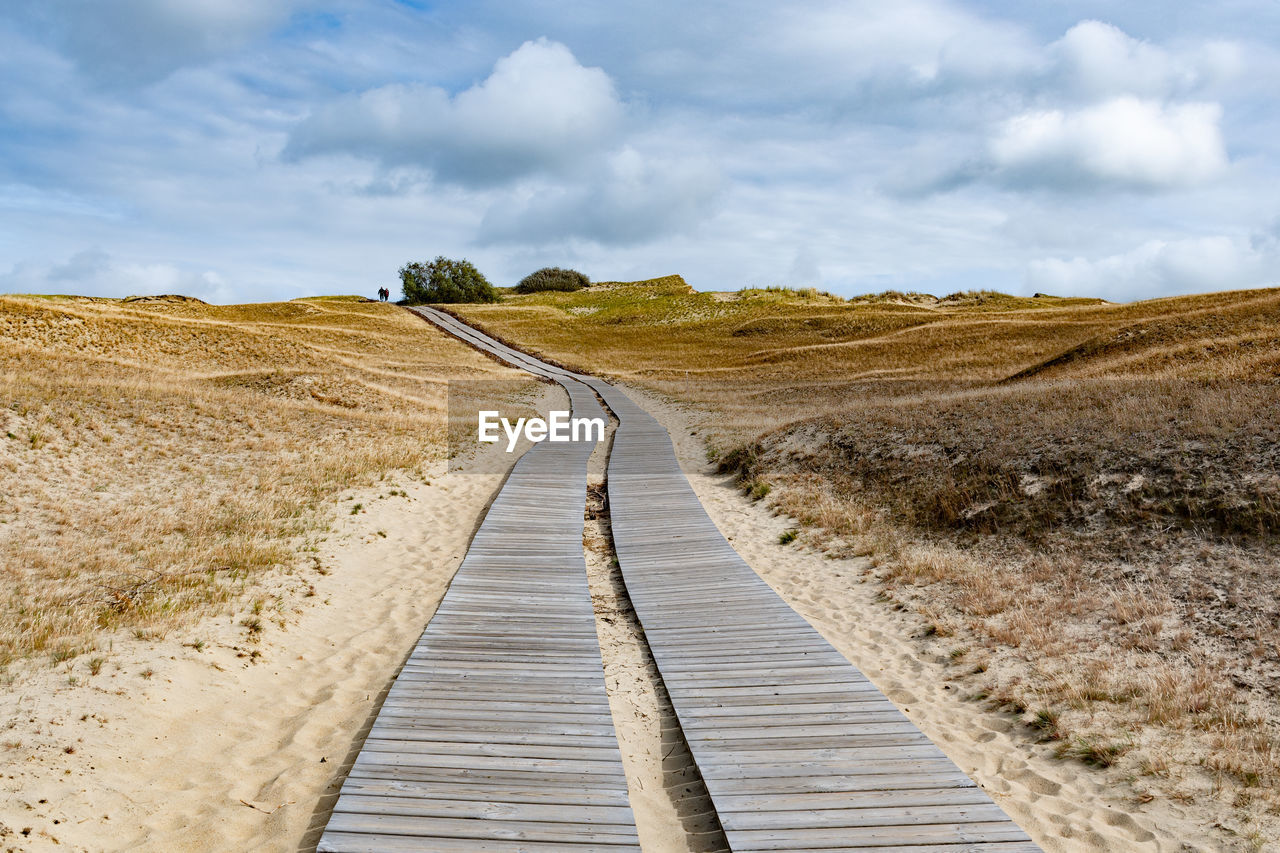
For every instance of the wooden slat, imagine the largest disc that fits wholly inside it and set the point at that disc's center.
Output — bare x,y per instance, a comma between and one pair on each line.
427,806
363,841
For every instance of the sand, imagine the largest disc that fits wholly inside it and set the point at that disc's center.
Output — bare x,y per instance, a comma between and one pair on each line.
222,738
1065,806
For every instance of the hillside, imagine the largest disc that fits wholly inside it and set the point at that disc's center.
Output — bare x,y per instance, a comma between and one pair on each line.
157,454
1079,499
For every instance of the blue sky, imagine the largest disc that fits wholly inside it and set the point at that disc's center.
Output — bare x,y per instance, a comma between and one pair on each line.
242,151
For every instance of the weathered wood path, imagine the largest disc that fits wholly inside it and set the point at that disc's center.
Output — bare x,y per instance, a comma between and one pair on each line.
497,736
798,750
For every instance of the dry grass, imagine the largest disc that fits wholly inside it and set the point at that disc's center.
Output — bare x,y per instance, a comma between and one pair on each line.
157,455
1044,460
1082,497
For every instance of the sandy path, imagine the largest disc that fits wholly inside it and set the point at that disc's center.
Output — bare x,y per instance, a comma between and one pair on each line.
1064,805
242,743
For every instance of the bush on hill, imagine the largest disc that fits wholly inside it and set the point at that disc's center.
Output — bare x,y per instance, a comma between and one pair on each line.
445,280
552,278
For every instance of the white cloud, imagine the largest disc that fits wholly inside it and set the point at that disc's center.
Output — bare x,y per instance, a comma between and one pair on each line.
1099,60
1124,140
1102,60
93,272
1160,267
855,42
539,111
630,199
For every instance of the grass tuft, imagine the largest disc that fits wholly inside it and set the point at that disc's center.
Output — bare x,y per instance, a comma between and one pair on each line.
1092,753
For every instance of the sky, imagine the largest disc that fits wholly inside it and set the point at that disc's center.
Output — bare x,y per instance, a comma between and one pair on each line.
242,151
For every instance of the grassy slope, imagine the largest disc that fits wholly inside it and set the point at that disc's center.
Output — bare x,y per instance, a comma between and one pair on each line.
971,403
1080,497
156,454
817,352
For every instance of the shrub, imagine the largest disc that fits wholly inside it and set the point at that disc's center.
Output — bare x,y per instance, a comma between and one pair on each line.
552,278
445,280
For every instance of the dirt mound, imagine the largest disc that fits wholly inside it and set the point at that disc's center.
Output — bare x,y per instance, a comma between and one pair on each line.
167,297
669,283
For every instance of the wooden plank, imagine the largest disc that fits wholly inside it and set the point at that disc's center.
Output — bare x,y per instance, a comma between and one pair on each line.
404,820
535,700
510,723
878,762
593,773
457,789
873,836
895,814
435,708
922,777
818,800
483,809
568,784
492,736
806,737
877,708
574,754
338,841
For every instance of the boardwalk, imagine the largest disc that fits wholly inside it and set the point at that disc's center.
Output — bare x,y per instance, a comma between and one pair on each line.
497,734
798,750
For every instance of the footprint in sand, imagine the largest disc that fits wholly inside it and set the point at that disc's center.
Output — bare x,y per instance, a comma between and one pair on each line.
1034,782
1120,820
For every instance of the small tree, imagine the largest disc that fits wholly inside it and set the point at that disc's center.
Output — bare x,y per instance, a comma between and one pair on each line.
552,278
445,280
